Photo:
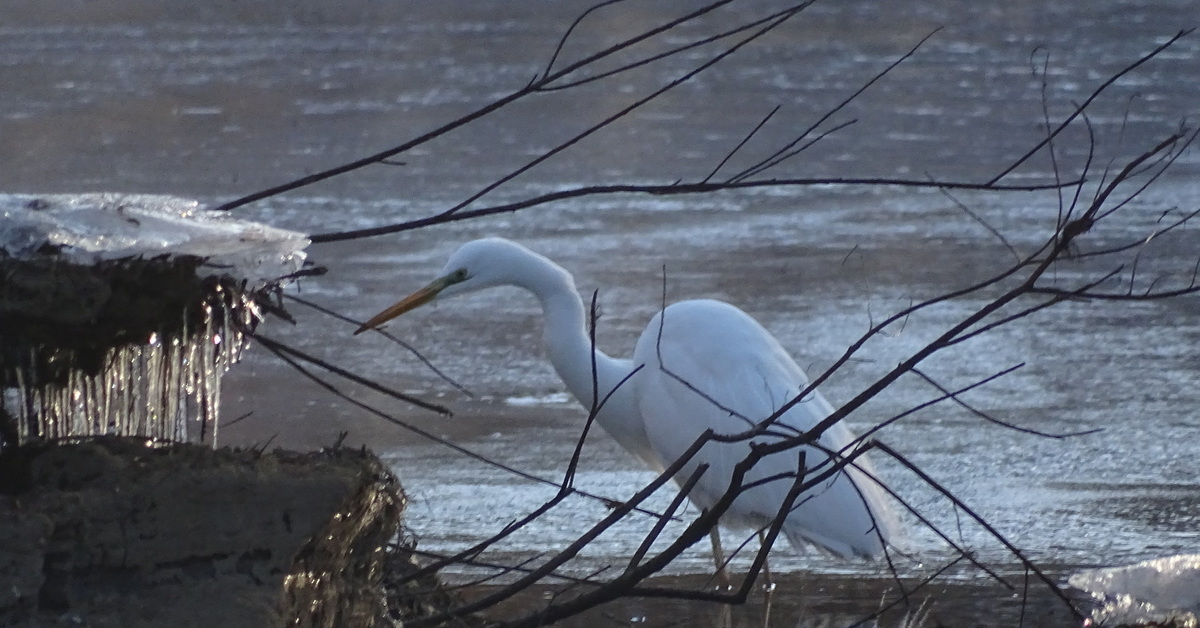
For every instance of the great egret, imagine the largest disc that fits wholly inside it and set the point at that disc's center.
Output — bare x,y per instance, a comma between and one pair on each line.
704,364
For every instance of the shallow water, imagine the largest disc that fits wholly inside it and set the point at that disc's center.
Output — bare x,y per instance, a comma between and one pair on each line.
218,100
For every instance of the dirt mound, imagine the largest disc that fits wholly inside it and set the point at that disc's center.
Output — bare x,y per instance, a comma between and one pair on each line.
114,533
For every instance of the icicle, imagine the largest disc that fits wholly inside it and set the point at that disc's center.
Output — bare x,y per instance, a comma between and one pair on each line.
167,389
21,413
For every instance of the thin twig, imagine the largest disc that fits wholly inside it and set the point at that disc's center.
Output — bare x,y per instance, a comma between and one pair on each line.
668,189
1079,109
991,419
407,347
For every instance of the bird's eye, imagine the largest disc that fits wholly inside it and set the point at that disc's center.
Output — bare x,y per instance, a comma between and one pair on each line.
459,275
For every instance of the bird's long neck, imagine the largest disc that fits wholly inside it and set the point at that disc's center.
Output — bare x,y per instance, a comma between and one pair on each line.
567,342
571,352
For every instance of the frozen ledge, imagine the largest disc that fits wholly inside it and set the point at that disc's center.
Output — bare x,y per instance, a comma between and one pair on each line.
88,228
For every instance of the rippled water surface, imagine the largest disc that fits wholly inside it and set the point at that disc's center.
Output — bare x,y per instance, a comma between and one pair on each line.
222,99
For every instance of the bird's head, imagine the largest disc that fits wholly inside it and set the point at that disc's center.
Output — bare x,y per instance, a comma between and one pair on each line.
476,265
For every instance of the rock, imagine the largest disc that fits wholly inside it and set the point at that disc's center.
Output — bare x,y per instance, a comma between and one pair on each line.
113,533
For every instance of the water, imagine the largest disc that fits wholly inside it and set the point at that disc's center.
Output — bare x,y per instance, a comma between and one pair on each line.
216,101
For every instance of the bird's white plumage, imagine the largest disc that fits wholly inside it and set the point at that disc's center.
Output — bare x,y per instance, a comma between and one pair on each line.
709,365
703,365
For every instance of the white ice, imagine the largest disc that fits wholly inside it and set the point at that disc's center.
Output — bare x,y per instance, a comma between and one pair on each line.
1159,590
554,398
88,228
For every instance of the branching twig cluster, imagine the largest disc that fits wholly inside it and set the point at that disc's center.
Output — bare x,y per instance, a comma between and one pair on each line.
1034,281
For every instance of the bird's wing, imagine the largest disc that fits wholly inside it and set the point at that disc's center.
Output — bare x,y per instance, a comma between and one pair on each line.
708,365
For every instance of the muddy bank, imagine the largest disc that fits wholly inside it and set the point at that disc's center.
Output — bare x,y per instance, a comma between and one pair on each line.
112,533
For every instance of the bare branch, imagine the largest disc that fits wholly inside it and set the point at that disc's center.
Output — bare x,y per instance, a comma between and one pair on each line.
679,188
785,151
991,419
758,127
1079,109
407,347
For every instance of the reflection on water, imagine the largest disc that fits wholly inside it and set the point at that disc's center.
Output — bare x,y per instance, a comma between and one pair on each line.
215,100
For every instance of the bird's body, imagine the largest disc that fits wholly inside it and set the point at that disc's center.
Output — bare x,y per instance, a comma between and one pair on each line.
700,365
731,385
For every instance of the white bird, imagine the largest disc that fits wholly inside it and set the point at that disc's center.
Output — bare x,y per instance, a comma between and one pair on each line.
704,364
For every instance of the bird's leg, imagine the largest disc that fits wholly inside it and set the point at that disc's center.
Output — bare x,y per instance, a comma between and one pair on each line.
719,558
768,585
724,617
766,616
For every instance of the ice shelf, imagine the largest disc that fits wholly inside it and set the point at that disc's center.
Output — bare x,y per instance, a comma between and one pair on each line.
1162,591
120,313
88,228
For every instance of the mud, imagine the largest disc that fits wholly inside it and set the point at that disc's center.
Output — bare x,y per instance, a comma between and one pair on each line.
113,533
68,317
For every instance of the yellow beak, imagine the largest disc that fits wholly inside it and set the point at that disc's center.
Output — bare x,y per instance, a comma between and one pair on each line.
410,302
